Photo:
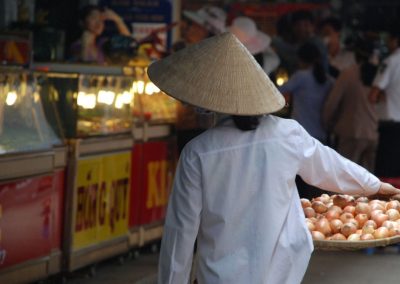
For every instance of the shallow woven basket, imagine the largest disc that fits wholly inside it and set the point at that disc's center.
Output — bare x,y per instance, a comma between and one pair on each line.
354,245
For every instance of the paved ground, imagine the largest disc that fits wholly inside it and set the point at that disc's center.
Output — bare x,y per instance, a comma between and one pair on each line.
383,267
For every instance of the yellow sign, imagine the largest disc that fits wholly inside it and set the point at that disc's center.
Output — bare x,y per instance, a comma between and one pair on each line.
157,184
101,199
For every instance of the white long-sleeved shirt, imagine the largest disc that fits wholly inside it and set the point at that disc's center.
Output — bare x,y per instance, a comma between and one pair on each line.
235,191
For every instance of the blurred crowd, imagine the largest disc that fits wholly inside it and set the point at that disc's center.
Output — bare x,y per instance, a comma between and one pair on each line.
344,91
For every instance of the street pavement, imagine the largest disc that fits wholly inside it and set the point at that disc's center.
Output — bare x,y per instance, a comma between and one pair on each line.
381,267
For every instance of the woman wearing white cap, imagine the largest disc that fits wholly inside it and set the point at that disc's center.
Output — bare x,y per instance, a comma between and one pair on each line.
257,42
234,187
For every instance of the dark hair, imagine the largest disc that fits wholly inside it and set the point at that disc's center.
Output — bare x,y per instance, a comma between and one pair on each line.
363,50
246,123
310,54
86,11
394,31
333,22
259,57
302,15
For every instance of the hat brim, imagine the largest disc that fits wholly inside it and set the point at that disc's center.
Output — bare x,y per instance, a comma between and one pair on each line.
217,74
258,43
193,16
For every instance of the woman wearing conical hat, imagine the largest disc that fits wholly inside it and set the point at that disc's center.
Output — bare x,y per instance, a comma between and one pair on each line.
234,187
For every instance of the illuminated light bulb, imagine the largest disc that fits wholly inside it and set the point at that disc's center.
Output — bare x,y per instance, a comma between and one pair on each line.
102,96
280,81
90,101
140,87
81,98
127,97
36,97
11,98
119,101
134,88
156,89
110,98
149,88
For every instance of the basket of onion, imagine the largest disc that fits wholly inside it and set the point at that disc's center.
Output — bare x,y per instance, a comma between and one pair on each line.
344,222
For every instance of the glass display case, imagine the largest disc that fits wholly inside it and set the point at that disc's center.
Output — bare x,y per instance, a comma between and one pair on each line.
23,123
151,104
92,105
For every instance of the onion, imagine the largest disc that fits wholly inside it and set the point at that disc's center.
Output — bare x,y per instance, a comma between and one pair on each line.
350,209
345,217
368,229
310,226
393,214
337,237
325,198
377,206
394,232
316,235
332,214
389,224
361,219
354,237
309,212
348,229
305,202
322,225
393,204
319,207
371,223
375,213
335,208
340,200
367,237
379,219
363,208
316,199
354,221
336,225
381,233
359,231
362,199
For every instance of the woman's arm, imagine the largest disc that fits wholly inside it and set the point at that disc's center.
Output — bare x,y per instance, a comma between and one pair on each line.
321,166
119,22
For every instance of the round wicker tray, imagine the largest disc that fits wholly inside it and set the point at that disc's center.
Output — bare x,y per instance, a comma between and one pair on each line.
354,245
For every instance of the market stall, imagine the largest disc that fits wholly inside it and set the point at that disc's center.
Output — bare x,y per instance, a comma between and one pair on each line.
94,104
154,158
32,168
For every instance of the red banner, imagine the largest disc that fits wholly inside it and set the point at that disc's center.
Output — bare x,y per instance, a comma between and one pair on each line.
150,196
58,209
25,220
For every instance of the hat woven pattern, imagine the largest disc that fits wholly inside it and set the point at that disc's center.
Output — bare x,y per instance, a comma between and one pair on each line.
218,74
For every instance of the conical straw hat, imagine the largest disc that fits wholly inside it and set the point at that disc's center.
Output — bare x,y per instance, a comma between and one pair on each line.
217,74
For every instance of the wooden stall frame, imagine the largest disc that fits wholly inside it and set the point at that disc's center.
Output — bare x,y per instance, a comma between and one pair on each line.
79,148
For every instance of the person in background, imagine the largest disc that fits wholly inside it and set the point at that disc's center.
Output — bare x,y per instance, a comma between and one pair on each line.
257,42
284,46
303,28
307,89
89,48
339,57
199,25
234,185
348,113
386,90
